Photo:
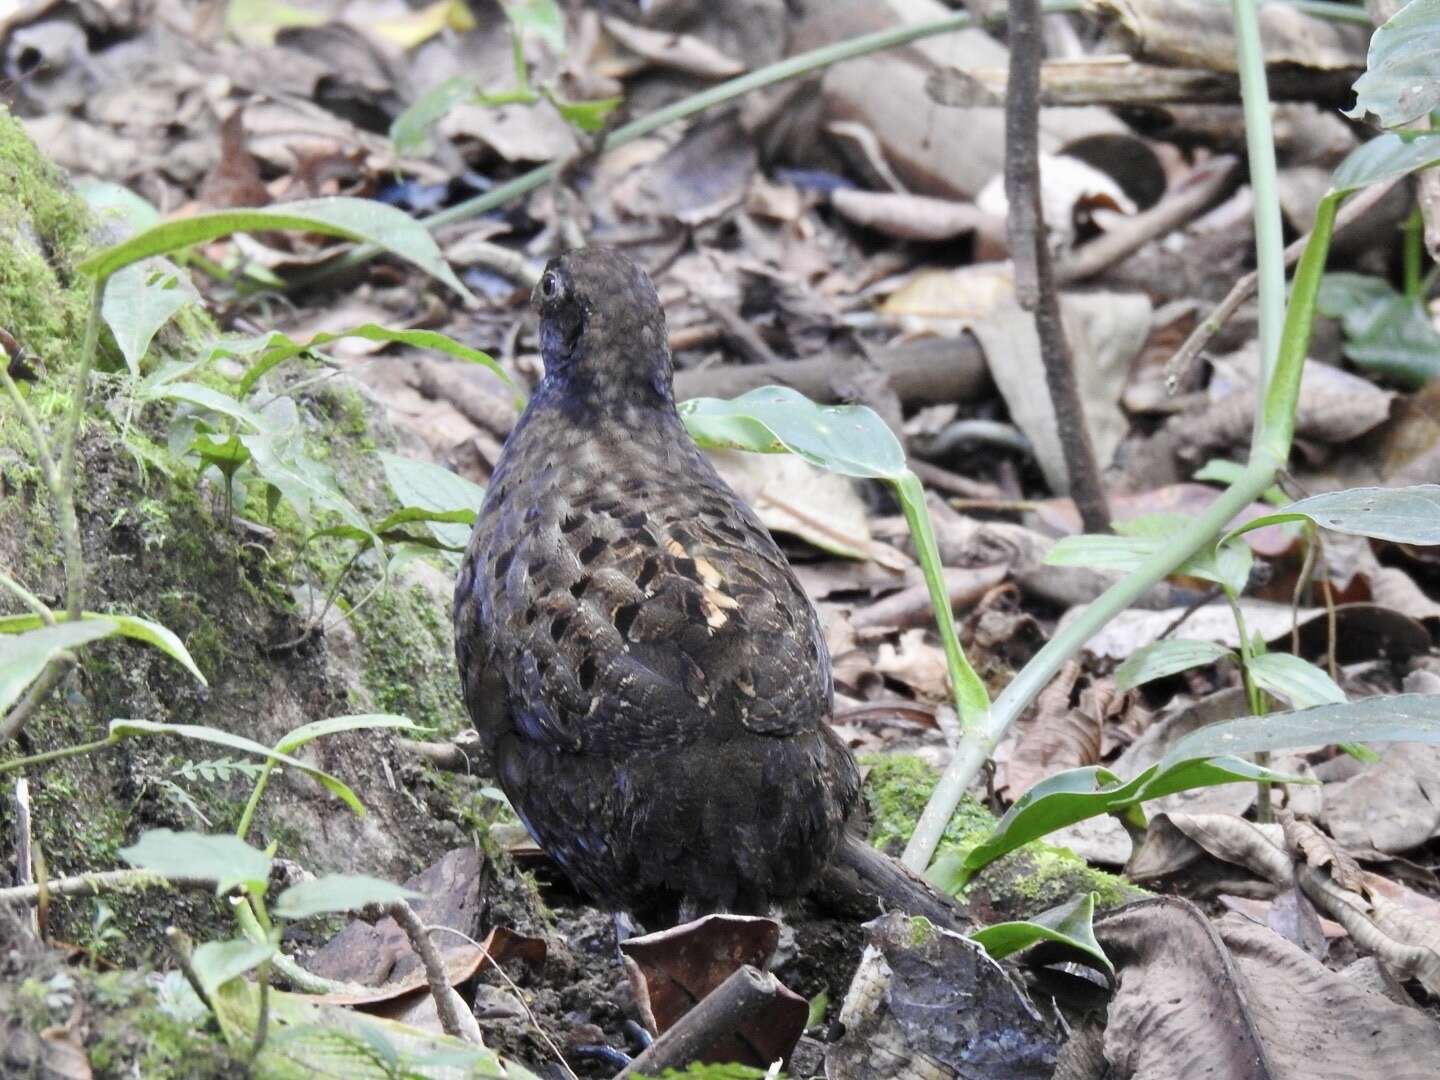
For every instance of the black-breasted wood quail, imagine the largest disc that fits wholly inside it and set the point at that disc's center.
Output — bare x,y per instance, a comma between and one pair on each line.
647,674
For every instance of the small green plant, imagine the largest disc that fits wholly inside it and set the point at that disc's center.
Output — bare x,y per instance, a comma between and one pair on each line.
101,932
540,19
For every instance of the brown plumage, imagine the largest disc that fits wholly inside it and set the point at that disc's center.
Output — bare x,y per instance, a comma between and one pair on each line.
646,672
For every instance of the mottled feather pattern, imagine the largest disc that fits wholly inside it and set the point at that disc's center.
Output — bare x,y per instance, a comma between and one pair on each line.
639,659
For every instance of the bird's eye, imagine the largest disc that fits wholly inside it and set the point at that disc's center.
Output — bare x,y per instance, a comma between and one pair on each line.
550,286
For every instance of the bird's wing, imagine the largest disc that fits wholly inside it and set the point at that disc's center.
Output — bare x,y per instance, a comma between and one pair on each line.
629,627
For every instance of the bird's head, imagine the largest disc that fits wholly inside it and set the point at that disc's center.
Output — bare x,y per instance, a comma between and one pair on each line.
602,330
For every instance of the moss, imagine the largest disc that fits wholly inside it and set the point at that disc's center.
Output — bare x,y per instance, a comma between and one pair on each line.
44,231
1035,877
409,656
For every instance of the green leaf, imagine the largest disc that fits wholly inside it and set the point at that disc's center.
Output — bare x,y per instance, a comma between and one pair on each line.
1227,564
1385,718
1408,515
1298,681
116,202
1220,471
541,18
217,962
1163,658
214,400
26,655
139,300
336,893
1077,794
278,348
238,742
410,130
297,737
1402,73
1383,158
221,858
588,116
1100,552
1071,925
1385,331
353,219
130,626
304,482
430,487
848,439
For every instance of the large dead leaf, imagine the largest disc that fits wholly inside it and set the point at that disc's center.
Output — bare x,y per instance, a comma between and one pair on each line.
927,1003
1237,1000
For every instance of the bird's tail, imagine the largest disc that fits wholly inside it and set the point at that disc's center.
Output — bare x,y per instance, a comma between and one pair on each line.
859,872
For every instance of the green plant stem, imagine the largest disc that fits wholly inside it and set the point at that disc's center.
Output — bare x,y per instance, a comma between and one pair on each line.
29,599
1257,477
789,68
1255,699
1413,253
1264,186
248,814
15,764
972,701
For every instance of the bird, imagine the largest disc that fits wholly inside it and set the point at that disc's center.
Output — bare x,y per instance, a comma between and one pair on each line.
647,675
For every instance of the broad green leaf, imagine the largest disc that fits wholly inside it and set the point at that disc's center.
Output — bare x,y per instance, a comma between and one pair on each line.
24,656
1163,658
353,219
411,128
1071,924
1385,718
1298,681
1077,794
1408,515
297,737
426,486
335,893
139,300
849,439
1383,158
238,742
214,400
1227,564
278,348
304,482
1385,331
542,18
117,203
1401,82
220,858
130,626
1100,552
217,962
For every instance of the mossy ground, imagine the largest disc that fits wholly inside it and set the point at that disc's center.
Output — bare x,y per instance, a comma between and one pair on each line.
1025,882
159,543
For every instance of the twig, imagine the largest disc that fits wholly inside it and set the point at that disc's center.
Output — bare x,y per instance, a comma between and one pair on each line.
719,1013
184,951
1034,277
457,755
435,973
509,982
1358,205
920,372
1205,187
24,861
94,884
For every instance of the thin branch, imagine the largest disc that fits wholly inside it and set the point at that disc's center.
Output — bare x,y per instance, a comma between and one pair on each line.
1034,276
95,884
435,973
